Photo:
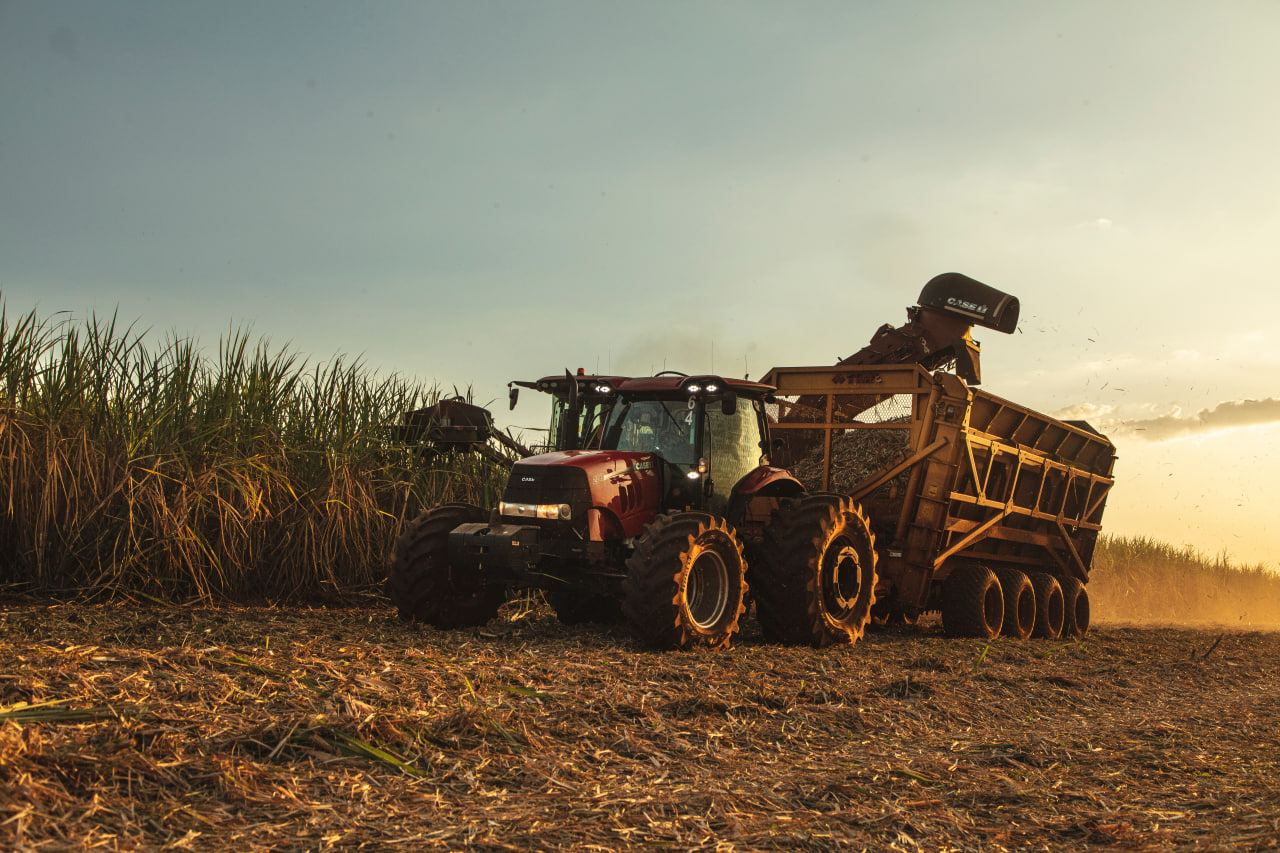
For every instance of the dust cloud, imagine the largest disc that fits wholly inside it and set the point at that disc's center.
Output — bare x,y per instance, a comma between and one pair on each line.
1140,582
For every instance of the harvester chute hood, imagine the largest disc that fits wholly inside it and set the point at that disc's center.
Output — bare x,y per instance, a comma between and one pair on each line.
982,304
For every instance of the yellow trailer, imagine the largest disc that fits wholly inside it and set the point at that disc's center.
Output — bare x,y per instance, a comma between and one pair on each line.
978,507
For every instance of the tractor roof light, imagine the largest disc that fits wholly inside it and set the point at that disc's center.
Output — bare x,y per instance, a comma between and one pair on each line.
704,385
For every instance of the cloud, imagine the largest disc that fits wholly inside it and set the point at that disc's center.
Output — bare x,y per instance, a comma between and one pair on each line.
1091,412
1225,416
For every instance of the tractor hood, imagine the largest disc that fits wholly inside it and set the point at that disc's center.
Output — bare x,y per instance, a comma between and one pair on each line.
598,465
614,493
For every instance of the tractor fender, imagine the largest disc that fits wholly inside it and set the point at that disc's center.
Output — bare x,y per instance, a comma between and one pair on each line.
604,526
763,482
767,480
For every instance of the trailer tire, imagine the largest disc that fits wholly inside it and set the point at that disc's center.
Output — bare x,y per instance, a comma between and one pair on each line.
1019,604
817,580
1075,608
422,584
972,602
1049,606
686,583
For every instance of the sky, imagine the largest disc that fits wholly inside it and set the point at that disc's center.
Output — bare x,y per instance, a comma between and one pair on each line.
472,192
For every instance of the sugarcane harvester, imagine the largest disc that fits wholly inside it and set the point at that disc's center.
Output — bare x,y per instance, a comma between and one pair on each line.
876,489
578,405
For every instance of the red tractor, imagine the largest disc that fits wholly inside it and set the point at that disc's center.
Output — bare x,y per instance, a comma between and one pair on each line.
650,521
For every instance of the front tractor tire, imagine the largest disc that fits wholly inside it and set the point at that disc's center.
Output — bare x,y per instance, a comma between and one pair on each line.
686,583
817,582
422,584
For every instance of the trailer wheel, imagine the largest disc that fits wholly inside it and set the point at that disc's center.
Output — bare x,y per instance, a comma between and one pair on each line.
422,584
1049,606
972,602
1019,604
1075,608
818,574
686,583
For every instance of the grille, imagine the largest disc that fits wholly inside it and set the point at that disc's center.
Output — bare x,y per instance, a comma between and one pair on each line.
546,484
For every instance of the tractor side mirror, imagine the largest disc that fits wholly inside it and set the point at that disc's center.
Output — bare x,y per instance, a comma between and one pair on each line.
512,395
729,403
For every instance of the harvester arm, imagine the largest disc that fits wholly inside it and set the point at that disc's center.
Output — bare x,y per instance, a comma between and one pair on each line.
937,332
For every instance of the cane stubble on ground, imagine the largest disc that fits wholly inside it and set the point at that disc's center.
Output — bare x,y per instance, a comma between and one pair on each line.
127,727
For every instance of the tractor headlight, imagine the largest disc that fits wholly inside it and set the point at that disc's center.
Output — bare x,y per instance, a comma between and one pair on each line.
552,512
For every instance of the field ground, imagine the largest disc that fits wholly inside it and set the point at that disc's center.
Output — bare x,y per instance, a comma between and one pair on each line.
139,727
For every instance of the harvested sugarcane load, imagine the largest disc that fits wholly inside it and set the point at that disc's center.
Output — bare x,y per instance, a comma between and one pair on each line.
855,455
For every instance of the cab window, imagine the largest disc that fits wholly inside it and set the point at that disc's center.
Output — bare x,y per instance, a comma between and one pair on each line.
733,442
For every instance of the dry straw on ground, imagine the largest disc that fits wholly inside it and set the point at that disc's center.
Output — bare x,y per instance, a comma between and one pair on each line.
212,729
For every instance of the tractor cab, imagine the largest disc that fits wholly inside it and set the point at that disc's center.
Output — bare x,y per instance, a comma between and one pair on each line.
707,434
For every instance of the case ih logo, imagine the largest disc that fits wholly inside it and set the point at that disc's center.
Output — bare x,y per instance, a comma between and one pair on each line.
964,305
639,468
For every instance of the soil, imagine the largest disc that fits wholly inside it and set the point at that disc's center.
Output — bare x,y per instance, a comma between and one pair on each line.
137,727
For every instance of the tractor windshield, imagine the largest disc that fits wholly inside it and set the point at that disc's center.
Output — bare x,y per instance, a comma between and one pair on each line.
661,427
566,433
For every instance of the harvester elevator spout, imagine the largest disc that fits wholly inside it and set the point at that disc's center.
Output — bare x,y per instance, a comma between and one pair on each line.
938,328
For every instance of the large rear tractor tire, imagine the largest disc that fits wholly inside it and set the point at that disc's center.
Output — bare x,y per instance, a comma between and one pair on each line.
817,578
1019,604
1075,608
686,583
972,603
1049,606
422,584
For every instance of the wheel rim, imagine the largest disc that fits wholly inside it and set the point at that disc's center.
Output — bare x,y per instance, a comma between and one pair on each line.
707,589
841,578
